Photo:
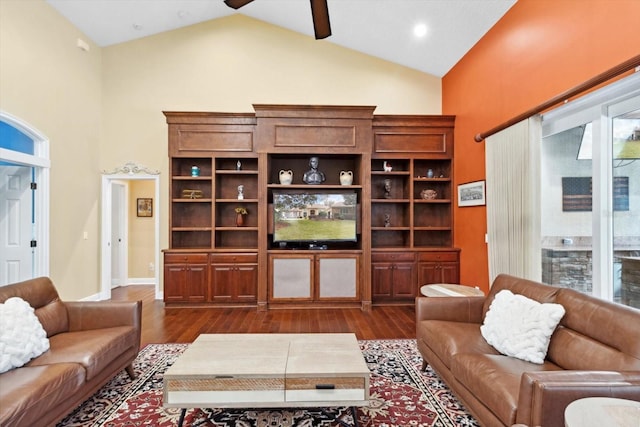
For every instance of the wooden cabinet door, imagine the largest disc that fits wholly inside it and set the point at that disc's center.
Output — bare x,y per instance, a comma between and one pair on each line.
381,279
429,272
175,280
196,282
222,282
436,272
246,282
234,282
450,272
403,280
392,280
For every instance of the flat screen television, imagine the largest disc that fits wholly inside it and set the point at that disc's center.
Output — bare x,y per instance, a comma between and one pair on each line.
320,217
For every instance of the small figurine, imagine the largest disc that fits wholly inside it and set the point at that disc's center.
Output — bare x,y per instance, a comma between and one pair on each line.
387,188
313,175
387,220
240,192
386,166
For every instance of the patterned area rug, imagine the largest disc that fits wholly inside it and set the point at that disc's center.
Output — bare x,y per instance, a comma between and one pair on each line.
401,395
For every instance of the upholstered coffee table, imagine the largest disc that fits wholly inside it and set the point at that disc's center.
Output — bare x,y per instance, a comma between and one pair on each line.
268,370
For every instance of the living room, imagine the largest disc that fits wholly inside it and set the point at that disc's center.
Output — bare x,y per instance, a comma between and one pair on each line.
94,127
102,108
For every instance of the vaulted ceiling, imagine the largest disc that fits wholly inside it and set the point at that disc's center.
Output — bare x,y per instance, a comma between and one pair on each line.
380,28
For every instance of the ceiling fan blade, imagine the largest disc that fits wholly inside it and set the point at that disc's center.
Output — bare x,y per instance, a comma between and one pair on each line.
320,13
236,4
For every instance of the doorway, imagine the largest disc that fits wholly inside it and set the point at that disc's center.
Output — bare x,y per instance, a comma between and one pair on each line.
119,233
116,212
24,194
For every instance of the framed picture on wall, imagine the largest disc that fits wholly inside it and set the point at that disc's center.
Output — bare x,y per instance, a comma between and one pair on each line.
145,207
471,194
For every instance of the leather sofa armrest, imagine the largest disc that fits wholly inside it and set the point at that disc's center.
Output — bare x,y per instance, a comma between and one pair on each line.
87,315
454,309
545,395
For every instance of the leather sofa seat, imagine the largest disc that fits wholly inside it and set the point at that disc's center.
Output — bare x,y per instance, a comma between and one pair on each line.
94,350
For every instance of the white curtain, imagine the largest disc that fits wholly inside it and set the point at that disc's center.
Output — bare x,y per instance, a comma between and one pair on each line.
513,200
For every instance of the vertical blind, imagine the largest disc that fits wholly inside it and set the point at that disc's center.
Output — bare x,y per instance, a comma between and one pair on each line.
513,200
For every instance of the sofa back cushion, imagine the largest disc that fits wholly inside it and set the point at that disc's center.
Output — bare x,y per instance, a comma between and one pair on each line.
517,285
595,334
43,297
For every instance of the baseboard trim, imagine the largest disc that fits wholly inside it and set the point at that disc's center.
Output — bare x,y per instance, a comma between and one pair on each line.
141,281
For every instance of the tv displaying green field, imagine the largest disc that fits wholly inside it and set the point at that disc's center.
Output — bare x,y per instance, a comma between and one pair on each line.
314,217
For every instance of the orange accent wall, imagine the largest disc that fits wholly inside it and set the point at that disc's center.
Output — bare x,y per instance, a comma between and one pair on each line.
539,49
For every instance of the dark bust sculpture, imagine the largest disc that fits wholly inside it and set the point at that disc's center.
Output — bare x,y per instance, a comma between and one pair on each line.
313,175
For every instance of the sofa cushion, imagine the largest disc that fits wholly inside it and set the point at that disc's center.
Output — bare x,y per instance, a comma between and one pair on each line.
28,392
93,349
449,338
520,327
575,351
495,380
610,331
21,335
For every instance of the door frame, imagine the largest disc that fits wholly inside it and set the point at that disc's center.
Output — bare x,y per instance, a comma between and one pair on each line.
129,172
123,222
41,162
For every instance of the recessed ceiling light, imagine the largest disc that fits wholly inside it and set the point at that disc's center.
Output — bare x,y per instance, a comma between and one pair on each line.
420,30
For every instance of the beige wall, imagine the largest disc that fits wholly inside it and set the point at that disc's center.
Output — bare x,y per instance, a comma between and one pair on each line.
141,231
104,108
46,81
228,65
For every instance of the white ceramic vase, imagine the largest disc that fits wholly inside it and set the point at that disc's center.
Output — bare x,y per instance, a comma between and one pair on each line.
286,177
346,178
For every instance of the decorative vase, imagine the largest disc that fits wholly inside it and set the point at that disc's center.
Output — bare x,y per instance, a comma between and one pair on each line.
239,220
346,178
286,177
428,194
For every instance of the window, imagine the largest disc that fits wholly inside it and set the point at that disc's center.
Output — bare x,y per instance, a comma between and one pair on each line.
590,201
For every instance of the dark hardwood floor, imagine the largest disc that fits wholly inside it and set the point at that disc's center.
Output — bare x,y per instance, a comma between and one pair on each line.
169,325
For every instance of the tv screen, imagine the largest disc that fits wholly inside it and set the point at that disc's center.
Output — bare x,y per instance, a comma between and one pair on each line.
314,216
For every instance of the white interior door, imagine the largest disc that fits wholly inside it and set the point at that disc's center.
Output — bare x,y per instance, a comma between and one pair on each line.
124,176
118,234
16,224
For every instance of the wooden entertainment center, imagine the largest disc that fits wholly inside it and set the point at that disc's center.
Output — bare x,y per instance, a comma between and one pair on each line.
402,169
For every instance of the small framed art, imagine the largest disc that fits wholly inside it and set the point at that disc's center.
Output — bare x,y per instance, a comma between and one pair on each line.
472,194
145,207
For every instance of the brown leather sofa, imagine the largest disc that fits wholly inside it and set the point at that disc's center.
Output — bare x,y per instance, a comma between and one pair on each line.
594,351
90,342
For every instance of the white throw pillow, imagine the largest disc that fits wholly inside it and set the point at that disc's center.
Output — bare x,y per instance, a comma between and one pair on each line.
22,336
520,327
